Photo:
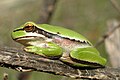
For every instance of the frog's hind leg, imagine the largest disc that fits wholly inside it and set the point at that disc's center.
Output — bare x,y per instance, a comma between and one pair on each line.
88,57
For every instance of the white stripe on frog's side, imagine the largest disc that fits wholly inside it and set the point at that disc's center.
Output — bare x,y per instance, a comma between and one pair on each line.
34,34
38,44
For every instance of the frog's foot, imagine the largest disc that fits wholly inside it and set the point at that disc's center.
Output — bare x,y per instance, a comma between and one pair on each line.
68,60
34,50
65,57
79,72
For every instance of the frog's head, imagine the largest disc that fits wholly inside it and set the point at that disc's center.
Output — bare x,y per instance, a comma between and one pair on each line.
26,33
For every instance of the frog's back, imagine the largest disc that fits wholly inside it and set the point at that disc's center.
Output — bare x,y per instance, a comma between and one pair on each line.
63,32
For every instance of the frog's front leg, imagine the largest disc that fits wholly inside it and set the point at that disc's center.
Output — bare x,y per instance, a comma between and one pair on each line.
49,50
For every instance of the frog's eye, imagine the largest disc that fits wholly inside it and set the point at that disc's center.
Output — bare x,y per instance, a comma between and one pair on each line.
29,28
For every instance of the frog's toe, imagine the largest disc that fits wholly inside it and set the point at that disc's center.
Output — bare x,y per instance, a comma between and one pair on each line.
30,49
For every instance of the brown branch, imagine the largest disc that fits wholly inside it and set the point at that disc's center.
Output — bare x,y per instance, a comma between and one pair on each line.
48,11
105,36
102,39
24,76
21,61
115,5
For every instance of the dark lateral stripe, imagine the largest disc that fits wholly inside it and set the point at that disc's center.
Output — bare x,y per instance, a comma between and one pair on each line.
43,32
18,30
86,62
50,35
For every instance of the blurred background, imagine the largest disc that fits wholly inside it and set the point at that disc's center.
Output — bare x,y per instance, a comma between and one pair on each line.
88,17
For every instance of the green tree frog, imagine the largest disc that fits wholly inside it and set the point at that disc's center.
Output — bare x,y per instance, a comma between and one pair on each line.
56,42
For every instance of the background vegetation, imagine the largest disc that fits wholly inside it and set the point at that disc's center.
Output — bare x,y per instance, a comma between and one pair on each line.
87,17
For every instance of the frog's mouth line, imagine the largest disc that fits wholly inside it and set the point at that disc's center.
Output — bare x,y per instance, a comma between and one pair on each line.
25,38
30,36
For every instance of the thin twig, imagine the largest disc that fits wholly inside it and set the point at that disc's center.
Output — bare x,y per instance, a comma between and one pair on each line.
105,36
49,7
115,5
102,39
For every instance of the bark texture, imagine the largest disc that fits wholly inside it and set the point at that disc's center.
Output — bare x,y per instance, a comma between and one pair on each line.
22,61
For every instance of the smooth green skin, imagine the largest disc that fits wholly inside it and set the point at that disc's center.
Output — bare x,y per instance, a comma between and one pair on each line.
53,50
52,29
84,54
88,54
